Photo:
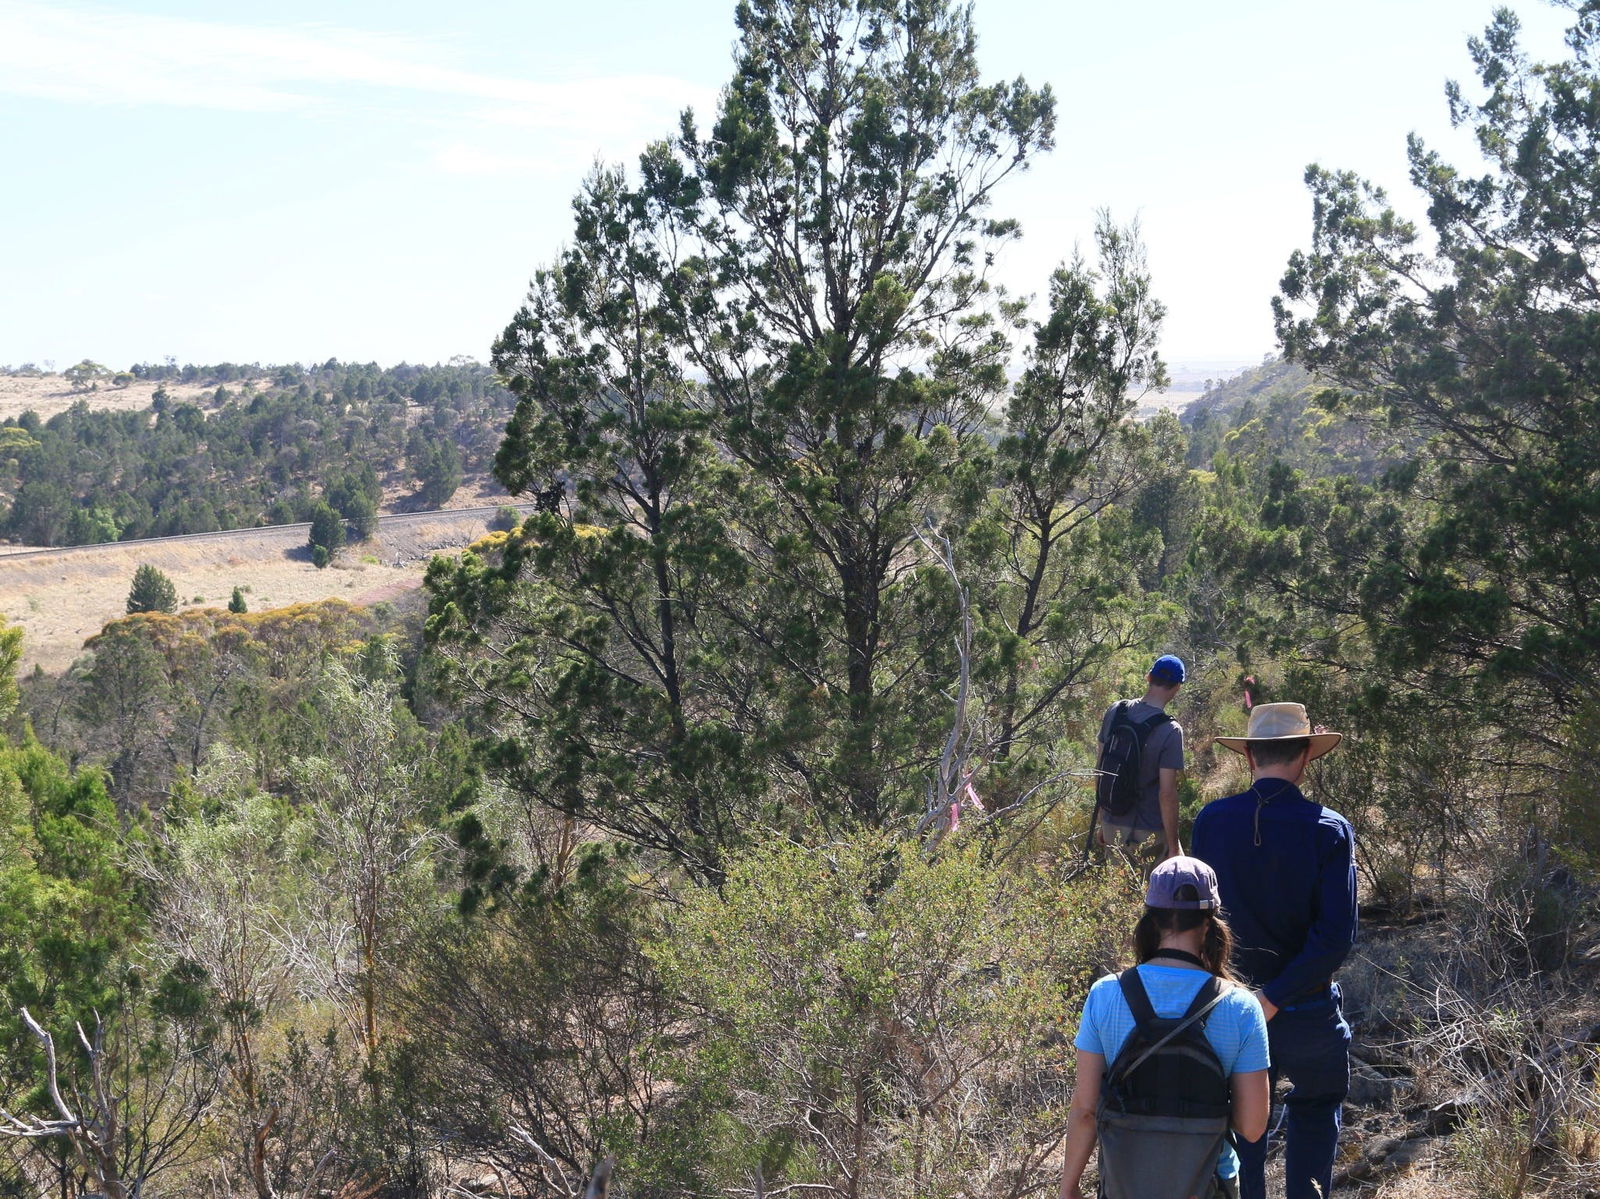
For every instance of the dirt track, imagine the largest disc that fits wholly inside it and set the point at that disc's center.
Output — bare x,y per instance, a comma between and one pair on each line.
62,597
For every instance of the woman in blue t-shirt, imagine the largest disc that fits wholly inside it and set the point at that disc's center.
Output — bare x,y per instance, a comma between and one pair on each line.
1179,941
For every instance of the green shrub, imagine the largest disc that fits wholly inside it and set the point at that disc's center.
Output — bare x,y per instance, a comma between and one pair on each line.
151,591
873,1014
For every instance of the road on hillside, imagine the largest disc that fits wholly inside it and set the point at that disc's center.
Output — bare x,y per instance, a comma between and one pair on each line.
389,520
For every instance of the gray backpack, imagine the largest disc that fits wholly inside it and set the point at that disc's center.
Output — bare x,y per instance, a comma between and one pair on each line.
1165,1103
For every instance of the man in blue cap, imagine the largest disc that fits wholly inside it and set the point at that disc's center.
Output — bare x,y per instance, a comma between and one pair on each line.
1160,740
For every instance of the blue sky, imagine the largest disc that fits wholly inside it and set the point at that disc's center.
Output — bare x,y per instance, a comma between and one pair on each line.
377,181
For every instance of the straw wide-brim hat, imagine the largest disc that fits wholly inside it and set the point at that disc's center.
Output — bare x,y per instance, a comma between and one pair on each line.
1281,722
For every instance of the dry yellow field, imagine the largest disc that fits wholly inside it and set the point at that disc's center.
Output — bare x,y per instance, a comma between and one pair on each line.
63,597
1171,401
50,394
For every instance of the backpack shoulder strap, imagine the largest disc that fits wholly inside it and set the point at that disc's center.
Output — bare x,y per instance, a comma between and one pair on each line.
1196,1011
1149,722
1138,998
1205,998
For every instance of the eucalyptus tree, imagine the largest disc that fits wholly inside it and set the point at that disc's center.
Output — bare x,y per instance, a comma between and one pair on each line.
366,782
233,884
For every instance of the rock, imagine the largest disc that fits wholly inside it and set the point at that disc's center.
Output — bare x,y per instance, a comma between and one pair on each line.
1444,1117
1368,1088
1408,1154
1379,1148
1381,1156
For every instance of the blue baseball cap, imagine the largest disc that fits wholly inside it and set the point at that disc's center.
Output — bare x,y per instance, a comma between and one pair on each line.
1168,669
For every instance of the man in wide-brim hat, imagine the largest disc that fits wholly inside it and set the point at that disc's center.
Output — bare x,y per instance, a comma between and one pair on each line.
1282,724
1286,871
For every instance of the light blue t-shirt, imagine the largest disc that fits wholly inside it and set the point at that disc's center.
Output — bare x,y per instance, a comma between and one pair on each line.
1236,1027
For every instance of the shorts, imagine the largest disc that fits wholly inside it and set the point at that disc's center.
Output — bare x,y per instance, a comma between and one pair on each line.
1123,835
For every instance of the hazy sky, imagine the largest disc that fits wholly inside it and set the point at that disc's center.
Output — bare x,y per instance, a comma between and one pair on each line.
377,179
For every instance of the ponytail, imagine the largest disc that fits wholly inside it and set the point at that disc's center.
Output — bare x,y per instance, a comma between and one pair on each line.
1216,951
1216,946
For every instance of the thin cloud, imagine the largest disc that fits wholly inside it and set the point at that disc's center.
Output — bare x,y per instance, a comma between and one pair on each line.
101,56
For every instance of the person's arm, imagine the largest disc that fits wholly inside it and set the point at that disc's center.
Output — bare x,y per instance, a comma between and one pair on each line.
1333,924
1249,1080
1169,810
1167,768
1252,1103
1081,1123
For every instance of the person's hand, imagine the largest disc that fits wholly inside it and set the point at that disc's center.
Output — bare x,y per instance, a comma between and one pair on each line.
1268,1008
1074,1191
1174,849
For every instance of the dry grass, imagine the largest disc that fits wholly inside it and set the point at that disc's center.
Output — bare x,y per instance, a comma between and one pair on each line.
1166,401
61,599
1485,1017
50,394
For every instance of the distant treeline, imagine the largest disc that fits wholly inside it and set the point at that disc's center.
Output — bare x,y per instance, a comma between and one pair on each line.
269,443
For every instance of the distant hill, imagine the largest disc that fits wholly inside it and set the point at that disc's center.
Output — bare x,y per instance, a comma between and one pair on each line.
1272,412
162,450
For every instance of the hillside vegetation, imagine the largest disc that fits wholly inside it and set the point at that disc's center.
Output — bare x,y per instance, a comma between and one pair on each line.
1280,412
260,446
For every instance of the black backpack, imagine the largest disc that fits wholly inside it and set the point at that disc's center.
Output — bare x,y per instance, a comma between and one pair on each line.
1116,787
1165,1102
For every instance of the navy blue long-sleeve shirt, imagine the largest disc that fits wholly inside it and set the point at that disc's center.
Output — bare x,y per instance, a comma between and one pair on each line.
1291,900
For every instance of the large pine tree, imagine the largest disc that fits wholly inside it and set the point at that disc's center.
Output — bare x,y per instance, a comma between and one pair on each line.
761,371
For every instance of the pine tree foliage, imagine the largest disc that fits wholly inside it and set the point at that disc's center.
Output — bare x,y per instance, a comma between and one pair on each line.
152,591
1478,565
327,534
759,372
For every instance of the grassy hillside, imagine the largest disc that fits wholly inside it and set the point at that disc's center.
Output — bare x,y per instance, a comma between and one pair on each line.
190,449
1279,411
59,600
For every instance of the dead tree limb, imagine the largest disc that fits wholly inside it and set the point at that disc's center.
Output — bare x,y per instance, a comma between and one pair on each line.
554,1173
93,1139
953,781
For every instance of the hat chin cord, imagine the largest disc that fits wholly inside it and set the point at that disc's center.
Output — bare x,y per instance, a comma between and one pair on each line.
1262,798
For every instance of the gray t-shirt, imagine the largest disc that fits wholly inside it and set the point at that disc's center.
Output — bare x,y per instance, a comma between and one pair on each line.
1162,747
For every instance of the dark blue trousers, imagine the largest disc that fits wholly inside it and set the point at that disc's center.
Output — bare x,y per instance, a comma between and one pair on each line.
1310,1046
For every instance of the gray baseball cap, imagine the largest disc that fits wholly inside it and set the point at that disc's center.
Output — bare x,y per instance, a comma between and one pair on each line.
1169,880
